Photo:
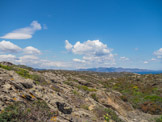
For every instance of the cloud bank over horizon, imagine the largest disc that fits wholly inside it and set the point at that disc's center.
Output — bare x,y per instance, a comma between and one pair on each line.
92,53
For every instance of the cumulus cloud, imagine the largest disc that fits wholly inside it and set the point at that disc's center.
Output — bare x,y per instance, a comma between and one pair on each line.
7,46
23,33
158,53
31,50
94,47
94,52
124,58
29,60
68,46
8,57
33,61
28,56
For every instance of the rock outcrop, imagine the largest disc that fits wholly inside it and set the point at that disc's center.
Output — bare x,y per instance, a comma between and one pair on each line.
71,98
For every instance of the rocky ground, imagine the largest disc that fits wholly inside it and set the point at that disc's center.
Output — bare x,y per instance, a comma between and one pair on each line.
27,95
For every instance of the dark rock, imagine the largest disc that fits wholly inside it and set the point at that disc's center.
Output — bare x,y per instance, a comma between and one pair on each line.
53,81
85,83
27,85
28,97
62,107
17,86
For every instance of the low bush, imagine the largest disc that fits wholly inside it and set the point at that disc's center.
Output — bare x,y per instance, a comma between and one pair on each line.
85,88
94,96
27,112
112,115
159,119
6,67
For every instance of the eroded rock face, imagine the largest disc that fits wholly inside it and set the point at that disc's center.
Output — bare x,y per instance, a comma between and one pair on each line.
120,106
64,108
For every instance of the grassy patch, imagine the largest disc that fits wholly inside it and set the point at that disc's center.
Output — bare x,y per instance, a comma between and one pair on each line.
94,96
139,93
153,98
159,119
22,112
84,107
6,67
85,88
24,73
75,92
112,115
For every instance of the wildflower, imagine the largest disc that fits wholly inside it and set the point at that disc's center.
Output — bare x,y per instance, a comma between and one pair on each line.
53,118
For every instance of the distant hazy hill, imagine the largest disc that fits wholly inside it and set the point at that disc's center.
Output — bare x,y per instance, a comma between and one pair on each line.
113,69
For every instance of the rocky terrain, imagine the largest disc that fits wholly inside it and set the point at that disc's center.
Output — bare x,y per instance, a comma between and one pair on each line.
27,95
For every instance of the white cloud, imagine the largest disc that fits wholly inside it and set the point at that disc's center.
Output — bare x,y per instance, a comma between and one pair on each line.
8,57
68,46
158,53
29,60
124,58
145,62
7,46
94,53
23,33
94,47
28,57
79,60
31,50
52,64
33,61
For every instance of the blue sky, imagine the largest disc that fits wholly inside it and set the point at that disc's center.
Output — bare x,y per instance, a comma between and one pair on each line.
71,34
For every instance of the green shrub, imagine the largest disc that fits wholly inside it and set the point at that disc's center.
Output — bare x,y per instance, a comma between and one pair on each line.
6,67
11,113
153,98
24,73
27,112
85,88
107,117
159,119
113,115
93,95
84,107
75,92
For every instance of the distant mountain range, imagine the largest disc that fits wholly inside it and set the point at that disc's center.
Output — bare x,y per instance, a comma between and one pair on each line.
113,69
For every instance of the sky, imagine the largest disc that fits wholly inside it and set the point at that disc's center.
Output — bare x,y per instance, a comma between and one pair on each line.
74,34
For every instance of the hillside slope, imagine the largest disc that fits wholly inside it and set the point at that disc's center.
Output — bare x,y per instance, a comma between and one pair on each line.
70,96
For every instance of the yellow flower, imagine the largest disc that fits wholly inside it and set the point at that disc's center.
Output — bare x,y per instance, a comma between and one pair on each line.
135,87
14,99
53,118
32,96
23,96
